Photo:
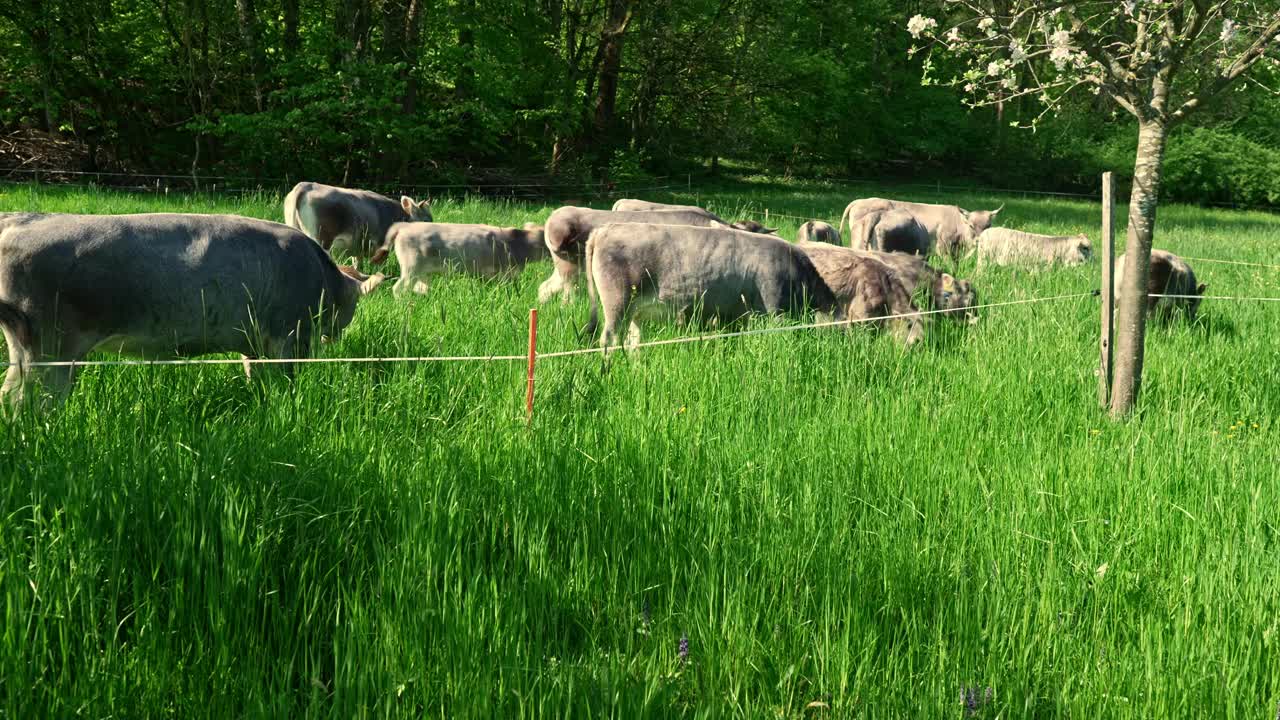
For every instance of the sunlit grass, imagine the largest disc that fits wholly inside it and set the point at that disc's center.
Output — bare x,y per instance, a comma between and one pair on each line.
827,518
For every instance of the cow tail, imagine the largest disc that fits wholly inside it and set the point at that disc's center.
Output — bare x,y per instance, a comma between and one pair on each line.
19,324
593,321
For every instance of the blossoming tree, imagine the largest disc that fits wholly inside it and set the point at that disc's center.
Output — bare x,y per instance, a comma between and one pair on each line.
1158,60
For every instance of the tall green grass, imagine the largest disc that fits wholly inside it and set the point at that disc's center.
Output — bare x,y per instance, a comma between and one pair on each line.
826,518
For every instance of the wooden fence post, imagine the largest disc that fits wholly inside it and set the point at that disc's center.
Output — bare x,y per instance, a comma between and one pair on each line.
533,355
1108,299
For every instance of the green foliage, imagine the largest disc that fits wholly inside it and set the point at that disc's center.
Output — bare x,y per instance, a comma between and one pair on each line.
1207,165
826,517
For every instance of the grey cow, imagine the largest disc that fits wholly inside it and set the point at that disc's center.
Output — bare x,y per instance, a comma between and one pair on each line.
626,205
1004,246
426,249
818,231
935,290
952,229
566,236
162,285
716,272
895,231
1169,275
354,221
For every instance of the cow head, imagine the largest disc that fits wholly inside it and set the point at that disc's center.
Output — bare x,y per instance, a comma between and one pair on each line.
534,233
1084,248
955,298
980,220
417,211
1193,306
355,286
753,226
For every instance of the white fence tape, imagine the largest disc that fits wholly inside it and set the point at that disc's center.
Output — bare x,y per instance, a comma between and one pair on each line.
512,358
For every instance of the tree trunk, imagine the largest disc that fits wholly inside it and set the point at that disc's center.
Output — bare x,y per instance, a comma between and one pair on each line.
1131,315
291,41
464,84
610,68
249,36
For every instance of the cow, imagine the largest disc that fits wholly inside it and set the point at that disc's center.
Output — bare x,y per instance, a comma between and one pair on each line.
353,221
163,285
1004,246
566,232
1169,275
715,272
818,231
951,228
935,290
626,205
426,249
890,231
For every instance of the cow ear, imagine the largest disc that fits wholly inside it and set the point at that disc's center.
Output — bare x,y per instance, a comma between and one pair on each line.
948,282
1200,290
406,204
717,224
371,283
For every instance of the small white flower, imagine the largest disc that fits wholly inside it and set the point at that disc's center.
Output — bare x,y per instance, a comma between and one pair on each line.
994,69
953,35
1228,30
968,87
1060,57
1061,39
986,23
1016,53
920,24
1008,82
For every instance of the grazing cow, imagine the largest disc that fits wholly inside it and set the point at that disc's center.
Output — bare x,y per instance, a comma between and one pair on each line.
163,285
1170,275
818,231
890,231
426,249
566,235
354,221
1003,246
933,289
717,272
951,228
625,205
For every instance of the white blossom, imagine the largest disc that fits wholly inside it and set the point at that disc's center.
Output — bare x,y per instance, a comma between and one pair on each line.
968,87
953,35
1008,82
919,24
994,68
1130,6
1016,53
1060,57
1228,30
1061,39
986,23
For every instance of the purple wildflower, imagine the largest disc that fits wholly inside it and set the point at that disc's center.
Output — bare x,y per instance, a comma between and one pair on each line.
973,698
684,648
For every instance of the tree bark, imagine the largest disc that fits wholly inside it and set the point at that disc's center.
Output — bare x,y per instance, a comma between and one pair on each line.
464,84
249,36
610,68
1131,320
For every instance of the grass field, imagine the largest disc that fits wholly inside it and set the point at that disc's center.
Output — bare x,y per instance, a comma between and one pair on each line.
824,518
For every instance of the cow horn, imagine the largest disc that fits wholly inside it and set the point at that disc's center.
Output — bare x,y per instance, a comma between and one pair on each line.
371,283
997,210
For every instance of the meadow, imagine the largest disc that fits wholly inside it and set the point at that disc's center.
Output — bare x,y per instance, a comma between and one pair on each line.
799,524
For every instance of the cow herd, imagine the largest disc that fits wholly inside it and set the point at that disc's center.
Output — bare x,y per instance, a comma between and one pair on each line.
157,285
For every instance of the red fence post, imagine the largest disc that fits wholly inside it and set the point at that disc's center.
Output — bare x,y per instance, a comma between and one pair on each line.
533,354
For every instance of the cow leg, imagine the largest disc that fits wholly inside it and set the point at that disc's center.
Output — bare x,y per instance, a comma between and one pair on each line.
16,380
563,280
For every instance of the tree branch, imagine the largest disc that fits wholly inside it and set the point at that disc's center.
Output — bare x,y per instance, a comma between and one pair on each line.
1256,50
